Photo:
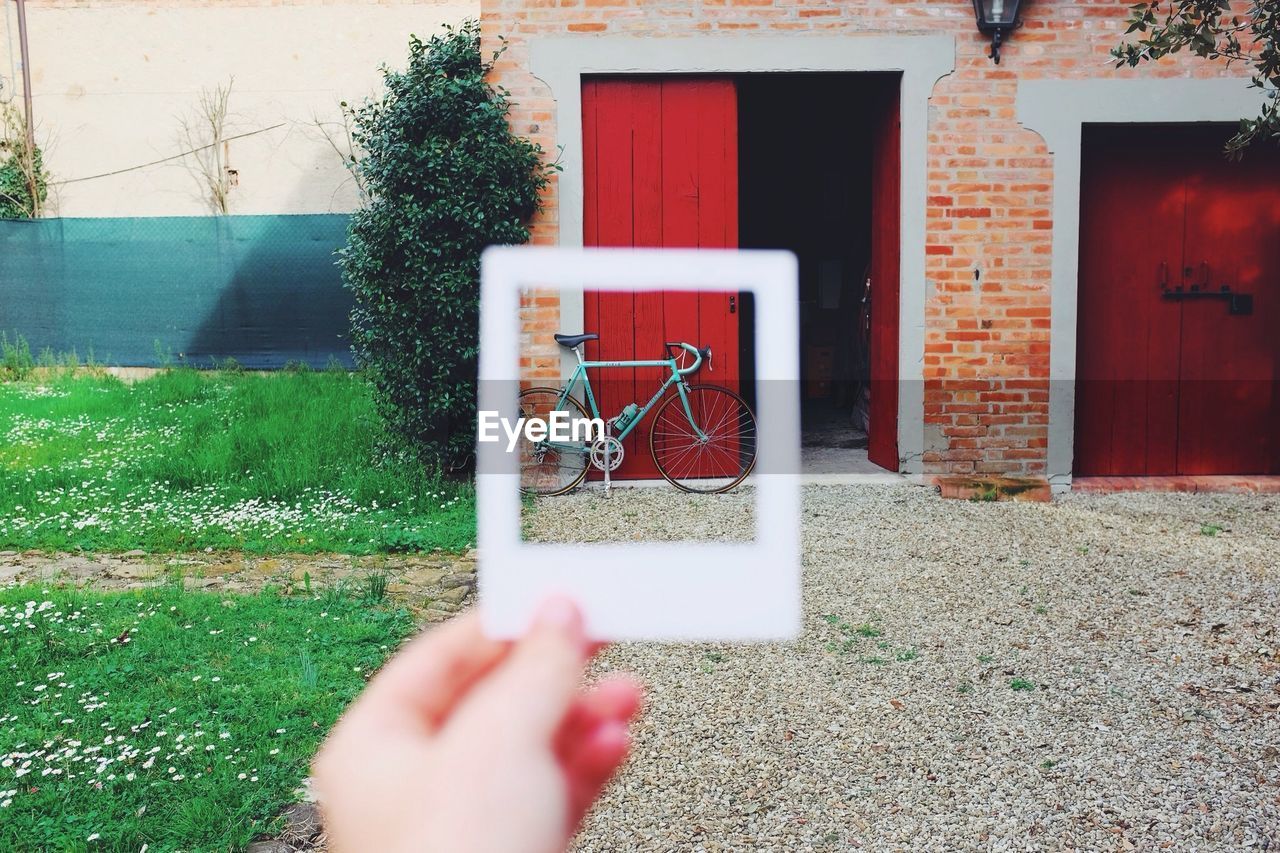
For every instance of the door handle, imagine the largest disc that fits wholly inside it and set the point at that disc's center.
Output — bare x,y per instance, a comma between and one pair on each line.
733,304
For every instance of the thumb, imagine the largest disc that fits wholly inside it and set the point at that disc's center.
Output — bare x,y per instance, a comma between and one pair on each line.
541,675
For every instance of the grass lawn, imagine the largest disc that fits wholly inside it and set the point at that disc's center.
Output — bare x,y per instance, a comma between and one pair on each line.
189,460
178,720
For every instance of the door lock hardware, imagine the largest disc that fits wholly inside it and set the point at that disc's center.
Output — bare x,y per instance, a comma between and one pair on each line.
1239,304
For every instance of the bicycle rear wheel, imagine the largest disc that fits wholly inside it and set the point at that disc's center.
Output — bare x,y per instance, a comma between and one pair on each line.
722,458
546,470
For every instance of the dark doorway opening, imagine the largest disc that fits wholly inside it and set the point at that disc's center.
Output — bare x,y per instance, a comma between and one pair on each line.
809,149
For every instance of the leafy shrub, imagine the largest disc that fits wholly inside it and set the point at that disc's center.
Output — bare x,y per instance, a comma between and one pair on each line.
228,365
446,178
15,358
23,179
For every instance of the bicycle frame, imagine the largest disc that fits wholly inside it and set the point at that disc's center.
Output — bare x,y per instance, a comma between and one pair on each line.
676,378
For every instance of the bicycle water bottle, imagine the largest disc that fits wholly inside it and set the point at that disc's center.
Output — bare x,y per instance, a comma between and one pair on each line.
626,416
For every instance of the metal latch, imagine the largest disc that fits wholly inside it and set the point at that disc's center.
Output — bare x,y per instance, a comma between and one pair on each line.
1239,304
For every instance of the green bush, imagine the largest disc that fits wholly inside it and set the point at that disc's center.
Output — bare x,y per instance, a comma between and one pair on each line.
446,178
24,183
15,358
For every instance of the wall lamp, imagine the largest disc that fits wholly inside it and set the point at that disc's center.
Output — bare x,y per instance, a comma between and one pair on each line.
997,17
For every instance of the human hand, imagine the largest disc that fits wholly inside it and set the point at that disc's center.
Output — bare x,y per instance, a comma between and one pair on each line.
463,744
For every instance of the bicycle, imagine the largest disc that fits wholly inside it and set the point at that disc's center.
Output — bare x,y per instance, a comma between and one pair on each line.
703,438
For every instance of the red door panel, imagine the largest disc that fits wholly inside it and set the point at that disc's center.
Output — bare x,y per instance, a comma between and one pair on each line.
1128,338
1228,421
1177,386
882,438
660,169
610,194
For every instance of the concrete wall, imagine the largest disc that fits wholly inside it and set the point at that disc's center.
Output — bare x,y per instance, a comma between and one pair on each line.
112,80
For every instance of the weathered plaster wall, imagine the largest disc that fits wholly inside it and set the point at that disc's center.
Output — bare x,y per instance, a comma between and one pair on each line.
111,81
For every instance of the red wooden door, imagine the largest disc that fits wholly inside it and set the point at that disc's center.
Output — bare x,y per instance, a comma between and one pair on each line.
1229,406
882,438
660,170
1182,385
1127,349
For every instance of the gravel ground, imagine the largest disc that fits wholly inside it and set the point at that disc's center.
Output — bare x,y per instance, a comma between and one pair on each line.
641,514
1101,673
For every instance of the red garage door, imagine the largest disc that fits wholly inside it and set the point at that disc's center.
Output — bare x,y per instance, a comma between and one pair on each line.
660,169
1178,368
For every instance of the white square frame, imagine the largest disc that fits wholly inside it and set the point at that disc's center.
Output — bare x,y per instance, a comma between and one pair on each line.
647,591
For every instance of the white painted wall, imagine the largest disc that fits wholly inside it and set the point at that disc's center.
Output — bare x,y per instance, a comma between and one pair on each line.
111,82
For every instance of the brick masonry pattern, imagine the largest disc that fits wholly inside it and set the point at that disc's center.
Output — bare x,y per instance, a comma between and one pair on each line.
989,192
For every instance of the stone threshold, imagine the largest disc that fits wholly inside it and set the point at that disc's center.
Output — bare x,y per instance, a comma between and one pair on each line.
1227,483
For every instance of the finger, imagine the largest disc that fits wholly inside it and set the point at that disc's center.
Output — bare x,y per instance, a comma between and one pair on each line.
594,763
615,700
427,678
617,697
600,753
540,676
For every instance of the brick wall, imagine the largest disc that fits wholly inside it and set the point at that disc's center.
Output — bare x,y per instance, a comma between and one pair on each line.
989,188
196,4
539,354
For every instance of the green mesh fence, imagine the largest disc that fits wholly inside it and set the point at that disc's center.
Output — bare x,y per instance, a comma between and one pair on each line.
263,290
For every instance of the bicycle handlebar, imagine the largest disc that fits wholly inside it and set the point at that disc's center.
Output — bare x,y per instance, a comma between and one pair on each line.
698,356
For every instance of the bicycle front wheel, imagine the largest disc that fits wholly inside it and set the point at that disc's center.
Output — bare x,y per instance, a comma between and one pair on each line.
548,468
709,448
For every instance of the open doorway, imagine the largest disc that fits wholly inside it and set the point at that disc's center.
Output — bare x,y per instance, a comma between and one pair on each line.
813,178
802,161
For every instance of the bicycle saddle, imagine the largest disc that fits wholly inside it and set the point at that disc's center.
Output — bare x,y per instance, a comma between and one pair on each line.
572,341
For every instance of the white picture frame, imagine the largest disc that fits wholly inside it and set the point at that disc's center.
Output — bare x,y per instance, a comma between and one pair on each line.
669,591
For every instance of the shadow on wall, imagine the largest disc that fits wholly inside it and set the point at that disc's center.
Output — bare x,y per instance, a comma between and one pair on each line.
285,300
263,290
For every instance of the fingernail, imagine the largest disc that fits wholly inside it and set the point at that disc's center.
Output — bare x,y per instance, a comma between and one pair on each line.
561,614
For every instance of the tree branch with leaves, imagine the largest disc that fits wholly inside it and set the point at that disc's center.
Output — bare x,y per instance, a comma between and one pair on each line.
1212,30
24,183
